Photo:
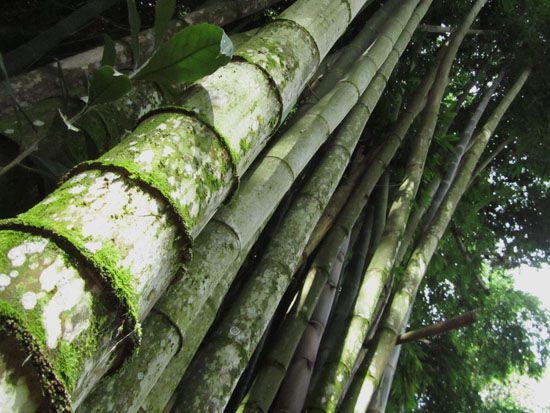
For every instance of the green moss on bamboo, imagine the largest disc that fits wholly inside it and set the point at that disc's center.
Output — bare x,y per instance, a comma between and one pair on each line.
102,261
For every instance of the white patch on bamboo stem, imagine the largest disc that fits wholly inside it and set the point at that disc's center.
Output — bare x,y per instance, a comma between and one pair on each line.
29,300
70,293
18,255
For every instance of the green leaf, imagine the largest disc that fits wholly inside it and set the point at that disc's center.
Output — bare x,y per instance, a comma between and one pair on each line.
109,52
164,10
135,25
107,85
194,52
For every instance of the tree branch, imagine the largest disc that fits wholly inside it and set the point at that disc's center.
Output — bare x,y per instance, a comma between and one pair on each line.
429,28
442,327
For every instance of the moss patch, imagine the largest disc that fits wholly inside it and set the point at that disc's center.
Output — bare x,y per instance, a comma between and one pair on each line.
102,264
53,388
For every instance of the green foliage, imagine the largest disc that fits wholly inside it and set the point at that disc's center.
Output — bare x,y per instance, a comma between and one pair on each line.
164,10
135,26
107,85
194,52
510,337
109,52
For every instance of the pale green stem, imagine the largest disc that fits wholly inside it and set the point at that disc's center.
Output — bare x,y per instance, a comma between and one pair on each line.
336,376
403,300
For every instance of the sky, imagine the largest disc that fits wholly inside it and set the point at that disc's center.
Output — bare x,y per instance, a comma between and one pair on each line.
537,282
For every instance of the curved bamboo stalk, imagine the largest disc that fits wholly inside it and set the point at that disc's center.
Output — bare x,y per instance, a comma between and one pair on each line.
165,180
336,376
403,300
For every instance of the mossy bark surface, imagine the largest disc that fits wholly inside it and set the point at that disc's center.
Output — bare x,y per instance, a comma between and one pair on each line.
241,119
236,226
245,324
127,214
56,317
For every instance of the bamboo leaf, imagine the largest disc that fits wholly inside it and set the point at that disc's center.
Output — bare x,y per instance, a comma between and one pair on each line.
164,10
107,85
135,25
194,52
109,52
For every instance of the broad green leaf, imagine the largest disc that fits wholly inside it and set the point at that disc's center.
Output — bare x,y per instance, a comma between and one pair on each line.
135,25
164,10
194,52
109,52
107,85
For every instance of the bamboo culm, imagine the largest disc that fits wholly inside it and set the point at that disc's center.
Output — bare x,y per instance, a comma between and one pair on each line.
460,148
403,300
329,389
293,389
294,150
131,184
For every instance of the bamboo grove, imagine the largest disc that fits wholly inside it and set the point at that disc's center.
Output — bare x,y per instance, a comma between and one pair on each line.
249,230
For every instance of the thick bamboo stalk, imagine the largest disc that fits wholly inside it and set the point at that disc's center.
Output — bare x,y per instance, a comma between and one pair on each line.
375,404
460,148
276,364
293,389
353,51
219,364
165,180
336,203
381,210
243,325
336,376
234,231
403,300
247,331
380,398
